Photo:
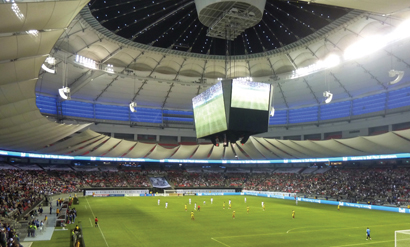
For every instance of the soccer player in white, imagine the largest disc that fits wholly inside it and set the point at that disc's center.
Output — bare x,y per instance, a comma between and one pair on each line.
195,206
262,204
159,201
189,200
204,202
212,199
296,201
229,202
245,199
166,205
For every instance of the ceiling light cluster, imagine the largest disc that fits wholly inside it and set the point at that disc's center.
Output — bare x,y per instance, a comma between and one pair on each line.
133,106
64,93
51,61
86,62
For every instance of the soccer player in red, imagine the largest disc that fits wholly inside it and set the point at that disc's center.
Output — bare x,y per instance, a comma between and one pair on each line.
96,222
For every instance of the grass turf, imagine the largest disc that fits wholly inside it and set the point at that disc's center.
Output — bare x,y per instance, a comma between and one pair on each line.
139,221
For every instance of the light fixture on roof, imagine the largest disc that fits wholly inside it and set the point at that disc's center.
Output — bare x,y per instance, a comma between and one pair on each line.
50,61
328,95
133,106
398,73
272,111
64,92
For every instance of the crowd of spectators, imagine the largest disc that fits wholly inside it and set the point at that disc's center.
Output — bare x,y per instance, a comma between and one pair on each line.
20,189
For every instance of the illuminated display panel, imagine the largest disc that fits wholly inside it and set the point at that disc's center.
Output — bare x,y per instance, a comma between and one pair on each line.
209,111
250,95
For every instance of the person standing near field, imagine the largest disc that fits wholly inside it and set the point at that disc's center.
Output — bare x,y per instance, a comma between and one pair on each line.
192,215
212,200
186,208
368,234
195,206
159,201
189,201
223,205
293,214
96,221
245,199
166,205
263,207
247,209
338,207
233,214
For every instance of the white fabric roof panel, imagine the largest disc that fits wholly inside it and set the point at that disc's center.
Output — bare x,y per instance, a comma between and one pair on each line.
42,140
314,149
403,133
365,145
250,149
229,155
202,152
88,148
121,149
18,91
284,148
260,145
274,150
239,152
217,153
184,152
391,141
104,148
73,148
85,135
161,153
338,149
140,150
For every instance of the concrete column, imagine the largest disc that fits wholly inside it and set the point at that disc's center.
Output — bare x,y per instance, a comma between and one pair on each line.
157,138
179,139
135,137
390,127
112,134
322,136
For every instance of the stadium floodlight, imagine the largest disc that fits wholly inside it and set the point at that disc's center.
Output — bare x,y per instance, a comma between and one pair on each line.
133,106
398,73
365,47
51,61
328,95
64,92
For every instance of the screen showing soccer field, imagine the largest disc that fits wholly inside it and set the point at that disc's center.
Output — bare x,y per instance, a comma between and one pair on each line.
250,95
209,111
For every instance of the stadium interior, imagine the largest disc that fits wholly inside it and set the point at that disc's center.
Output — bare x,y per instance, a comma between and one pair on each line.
111,99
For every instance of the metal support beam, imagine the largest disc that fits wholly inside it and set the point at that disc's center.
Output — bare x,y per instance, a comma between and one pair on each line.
203,71
199,89
283,96
139,89
311,91
152,71
106,88
249,68
179,70
84,81
291,61
167,96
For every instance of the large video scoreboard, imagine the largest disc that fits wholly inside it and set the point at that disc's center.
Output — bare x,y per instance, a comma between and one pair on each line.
234,107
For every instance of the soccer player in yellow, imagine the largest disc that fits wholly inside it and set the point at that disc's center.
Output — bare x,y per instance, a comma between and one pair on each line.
185,208
293,214
192,215
338,207
247,209
223,205
233,215
230,206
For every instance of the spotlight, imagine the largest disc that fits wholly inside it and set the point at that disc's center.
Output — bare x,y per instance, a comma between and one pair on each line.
64,92
328,95
399,74
133,105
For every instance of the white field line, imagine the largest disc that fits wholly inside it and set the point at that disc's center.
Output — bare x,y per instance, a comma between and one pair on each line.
85,207
365,243
220,242
102,234
90,222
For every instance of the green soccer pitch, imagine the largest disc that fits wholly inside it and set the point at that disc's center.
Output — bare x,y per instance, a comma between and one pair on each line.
139,221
